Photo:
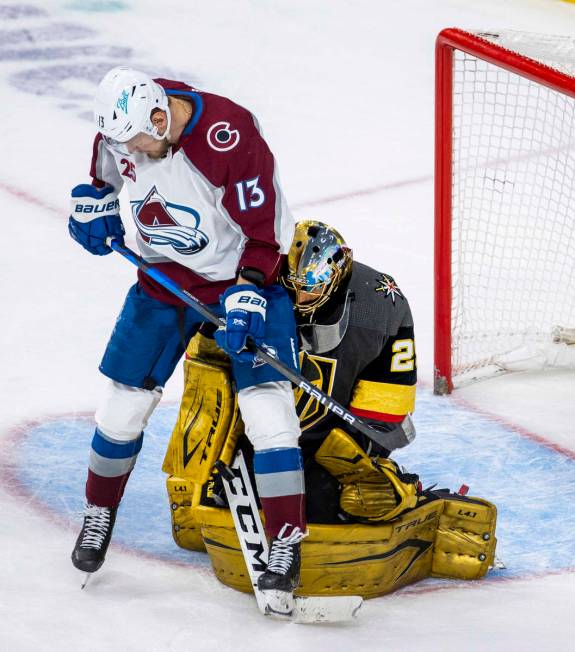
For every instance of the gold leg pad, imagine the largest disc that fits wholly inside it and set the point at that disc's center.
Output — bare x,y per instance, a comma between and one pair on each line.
465,542
184,495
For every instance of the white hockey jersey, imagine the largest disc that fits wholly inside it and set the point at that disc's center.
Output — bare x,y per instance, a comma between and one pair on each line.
211,207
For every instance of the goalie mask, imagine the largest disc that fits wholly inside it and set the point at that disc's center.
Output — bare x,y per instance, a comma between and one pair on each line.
319,262
123,106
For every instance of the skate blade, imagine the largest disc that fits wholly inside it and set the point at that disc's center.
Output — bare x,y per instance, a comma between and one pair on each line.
85,579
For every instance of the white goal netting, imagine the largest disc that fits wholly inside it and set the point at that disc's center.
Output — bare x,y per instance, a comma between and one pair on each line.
513,210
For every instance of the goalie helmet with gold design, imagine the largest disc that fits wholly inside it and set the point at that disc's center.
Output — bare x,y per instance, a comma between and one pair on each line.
319,263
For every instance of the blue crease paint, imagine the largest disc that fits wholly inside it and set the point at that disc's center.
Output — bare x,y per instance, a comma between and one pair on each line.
532,485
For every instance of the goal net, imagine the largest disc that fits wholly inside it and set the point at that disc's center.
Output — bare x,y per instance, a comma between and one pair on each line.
505,204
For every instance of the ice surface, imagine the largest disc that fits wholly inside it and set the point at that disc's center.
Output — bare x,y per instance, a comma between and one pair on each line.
344,92
47,465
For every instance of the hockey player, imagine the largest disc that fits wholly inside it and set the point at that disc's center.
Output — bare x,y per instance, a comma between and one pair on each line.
209,212
357,344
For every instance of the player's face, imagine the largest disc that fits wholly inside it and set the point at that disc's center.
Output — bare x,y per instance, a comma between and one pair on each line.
145,144
306,297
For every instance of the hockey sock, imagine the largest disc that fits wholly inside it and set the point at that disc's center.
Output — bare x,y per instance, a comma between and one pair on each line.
111,462
280,483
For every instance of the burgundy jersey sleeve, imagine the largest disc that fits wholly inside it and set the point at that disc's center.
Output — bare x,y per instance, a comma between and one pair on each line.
253,200
230,151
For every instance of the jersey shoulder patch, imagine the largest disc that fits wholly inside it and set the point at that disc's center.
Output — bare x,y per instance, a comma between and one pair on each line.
225,125
388,288
225,142
378,304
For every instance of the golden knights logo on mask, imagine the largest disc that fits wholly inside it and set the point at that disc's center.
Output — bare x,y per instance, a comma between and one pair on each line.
320,372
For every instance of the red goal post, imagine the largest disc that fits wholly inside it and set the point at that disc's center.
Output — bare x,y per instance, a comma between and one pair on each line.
474,184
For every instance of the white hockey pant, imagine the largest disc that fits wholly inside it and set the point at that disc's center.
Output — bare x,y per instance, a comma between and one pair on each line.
124,411
268,412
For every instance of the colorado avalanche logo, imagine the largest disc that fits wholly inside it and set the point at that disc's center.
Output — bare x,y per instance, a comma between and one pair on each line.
270,350
157,226
222,138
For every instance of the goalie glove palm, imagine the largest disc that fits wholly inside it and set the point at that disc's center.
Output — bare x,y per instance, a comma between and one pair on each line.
245,310
95,218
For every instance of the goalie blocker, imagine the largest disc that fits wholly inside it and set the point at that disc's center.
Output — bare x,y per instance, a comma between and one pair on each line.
407,534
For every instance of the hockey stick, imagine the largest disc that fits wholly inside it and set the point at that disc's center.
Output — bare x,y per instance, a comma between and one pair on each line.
400,435
254,545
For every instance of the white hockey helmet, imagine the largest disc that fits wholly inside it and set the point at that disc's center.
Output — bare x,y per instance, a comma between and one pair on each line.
124,102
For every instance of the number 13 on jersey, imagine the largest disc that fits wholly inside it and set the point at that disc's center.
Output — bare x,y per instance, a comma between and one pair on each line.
250,195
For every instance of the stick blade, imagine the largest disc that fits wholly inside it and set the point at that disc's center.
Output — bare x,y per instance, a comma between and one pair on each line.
335,609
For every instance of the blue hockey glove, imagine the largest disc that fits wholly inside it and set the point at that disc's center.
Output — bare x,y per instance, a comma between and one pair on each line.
245,308
95,217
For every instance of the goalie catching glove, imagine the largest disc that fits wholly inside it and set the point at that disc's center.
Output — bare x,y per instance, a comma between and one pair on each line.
373,488
95,218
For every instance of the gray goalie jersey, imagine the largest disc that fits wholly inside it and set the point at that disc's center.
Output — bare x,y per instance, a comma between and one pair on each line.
362,353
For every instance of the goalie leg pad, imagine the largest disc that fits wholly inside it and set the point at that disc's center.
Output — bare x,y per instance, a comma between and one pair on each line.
208,414
184,496
465,541
373,488
206,429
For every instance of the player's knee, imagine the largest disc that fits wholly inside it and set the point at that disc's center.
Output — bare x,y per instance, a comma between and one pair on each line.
268,412
124,411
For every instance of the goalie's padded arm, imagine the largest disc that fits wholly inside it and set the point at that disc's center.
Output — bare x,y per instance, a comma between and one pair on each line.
385,389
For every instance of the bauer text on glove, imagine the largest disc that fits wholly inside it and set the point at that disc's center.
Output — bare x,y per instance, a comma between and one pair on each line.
245,309
95,217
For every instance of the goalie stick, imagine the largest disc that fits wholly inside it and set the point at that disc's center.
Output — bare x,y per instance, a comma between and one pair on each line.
254,545
400,435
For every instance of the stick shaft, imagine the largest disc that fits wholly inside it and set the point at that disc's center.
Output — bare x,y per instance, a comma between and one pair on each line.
396,438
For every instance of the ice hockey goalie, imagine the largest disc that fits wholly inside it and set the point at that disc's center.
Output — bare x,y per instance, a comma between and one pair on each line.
373,528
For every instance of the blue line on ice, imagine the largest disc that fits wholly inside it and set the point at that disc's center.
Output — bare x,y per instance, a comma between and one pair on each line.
533,486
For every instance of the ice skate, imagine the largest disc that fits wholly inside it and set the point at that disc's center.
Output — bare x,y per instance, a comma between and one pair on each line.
90,550
283,572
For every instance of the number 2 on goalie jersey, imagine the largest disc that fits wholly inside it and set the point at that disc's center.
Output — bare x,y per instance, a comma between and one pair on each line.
403,355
